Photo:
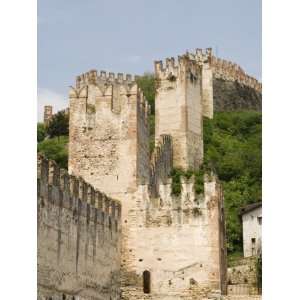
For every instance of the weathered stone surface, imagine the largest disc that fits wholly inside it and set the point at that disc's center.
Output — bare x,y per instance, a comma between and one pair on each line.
233,96
78,240
178,109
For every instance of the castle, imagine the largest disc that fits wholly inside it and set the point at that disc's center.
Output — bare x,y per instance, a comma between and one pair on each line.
112,228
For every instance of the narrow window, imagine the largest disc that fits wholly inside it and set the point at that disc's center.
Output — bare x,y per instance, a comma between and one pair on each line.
259,220
64,297
146,282
253,241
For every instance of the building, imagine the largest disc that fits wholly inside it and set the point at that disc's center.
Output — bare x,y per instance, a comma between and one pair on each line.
252,220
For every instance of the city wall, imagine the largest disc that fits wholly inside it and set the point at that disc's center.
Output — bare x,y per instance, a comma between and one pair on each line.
229,71
79,235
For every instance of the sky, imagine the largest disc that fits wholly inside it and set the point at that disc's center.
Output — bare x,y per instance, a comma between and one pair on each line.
127,36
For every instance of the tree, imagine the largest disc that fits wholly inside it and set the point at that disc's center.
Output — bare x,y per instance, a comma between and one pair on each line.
55,149
59,125
41,132
147,85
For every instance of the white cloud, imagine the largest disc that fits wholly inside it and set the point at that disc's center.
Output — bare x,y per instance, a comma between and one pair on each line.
49,97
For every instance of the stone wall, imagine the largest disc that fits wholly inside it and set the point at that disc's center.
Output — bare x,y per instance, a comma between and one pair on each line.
177,240
229,71
79,235
233,96
161,164
242,278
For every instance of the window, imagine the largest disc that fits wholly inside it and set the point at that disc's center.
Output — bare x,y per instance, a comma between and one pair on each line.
253,240
146,282
64,297
259,220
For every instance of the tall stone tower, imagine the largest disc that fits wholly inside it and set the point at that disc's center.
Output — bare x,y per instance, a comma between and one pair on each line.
47,114
204,59
109,132
178,109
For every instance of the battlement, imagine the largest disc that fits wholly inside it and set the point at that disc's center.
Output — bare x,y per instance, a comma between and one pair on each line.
201,56
171,68
89,198
227,70
109,87
186,200
93,77
161,163
79,236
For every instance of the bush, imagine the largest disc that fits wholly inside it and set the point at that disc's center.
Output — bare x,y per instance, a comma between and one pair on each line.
55,149
41,132
232,146
59,125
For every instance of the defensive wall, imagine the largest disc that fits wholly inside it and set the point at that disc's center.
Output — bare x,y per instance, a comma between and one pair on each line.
79,238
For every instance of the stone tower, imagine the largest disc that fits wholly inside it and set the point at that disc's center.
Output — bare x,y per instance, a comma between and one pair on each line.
47,114
178,109
109,132
204,59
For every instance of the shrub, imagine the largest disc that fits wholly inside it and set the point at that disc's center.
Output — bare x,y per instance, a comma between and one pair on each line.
55,149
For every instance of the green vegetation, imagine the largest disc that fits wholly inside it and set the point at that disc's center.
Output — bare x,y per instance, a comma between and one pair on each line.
55,149
232,147
41,132
198,176
59,125
147,85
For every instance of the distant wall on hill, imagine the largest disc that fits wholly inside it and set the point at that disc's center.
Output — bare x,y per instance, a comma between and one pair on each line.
233,96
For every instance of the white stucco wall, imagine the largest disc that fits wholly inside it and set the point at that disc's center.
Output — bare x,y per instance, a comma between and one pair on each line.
251,230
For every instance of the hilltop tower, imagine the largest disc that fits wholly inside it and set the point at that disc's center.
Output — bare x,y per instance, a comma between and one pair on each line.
178,109
109,132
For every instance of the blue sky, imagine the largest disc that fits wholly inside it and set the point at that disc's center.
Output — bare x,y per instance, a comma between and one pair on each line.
127,36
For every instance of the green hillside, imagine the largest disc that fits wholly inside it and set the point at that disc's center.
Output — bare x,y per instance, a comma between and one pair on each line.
232,147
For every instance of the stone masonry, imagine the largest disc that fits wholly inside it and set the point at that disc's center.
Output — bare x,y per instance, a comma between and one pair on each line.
170,247
79,234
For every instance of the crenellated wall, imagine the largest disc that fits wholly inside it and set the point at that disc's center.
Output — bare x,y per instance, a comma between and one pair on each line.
227,70
178,240
225,85
79,238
